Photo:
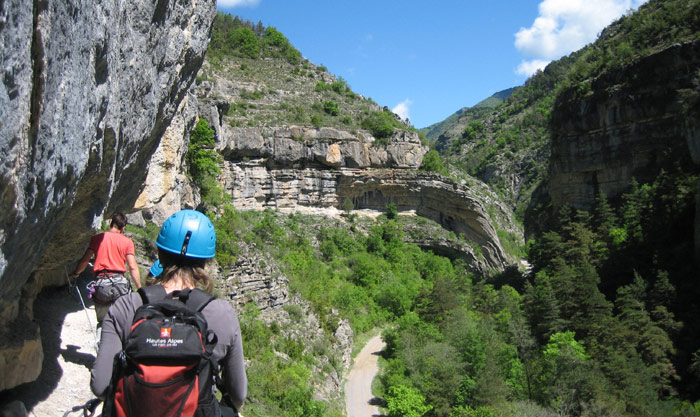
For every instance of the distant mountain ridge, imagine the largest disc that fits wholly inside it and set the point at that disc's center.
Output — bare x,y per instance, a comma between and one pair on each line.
433,130
495,99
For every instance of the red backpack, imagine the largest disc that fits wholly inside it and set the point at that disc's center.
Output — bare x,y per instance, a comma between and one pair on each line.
166,367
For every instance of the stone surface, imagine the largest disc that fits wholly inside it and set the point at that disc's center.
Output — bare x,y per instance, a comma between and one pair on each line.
254,278
167,189
290,168
254,186
89,87
626,128
296,146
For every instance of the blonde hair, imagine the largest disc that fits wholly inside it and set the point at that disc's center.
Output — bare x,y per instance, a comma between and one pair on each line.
190,271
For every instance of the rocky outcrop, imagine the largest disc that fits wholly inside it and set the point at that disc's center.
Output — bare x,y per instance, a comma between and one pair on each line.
88,90
296,146
634,121
256,186
254,278
297,168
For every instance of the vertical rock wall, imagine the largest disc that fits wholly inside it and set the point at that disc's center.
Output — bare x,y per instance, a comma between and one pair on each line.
633,123
167,188
88,88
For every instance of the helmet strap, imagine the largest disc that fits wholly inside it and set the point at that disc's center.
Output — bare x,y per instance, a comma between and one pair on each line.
185,243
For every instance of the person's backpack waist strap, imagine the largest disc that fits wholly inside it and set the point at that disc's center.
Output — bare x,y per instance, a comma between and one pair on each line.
106,273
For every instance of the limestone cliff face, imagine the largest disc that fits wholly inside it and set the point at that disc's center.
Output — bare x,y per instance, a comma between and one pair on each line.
314,169
325,147
630,125
167,189
88,90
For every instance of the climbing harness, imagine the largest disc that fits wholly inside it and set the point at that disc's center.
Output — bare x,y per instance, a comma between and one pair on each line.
108,287
88,408
73,287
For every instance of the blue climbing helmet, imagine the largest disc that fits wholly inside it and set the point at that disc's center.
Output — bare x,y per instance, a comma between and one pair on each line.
188,233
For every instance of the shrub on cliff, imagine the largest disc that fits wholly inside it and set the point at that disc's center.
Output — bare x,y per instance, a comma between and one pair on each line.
201,158
380,124
433,163
233,36
203,163
331,107
275,44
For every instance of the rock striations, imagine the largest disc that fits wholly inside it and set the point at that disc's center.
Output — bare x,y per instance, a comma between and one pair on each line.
305,168
315,170
88,90
626,127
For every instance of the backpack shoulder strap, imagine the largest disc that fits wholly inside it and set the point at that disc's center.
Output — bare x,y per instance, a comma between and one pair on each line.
196,299
152,293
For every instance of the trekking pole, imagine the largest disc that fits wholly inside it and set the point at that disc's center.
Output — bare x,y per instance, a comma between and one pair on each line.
88,408
94,331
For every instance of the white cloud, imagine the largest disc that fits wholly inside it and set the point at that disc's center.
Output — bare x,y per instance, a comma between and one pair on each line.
527,68
402,109
237,3
564,26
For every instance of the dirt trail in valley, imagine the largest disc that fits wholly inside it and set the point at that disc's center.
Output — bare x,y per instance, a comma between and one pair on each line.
359,401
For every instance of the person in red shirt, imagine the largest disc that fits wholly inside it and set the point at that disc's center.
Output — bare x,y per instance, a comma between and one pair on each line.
113,252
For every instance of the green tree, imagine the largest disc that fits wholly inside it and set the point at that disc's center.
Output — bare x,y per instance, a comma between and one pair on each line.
474,128
648,339
244,41
635,210
405,401
566,379
542,307
436,370
391,211
348,205
201,157
274,38
380,124
277,45
432,162
604,218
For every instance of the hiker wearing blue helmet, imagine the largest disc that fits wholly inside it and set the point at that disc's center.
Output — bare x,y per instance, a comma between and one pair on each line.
187,240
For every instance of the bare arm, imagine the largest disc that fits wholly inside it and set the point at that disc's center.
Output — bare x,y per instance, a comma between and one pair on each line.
83,263
134,270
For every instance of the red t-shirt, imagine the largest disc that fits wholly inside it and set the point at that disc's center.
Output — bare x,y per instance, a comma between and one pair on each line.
110,250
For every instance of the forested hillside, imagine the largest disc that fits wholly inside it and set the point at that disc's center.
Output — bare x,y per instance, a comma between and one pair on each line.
506,146
606,323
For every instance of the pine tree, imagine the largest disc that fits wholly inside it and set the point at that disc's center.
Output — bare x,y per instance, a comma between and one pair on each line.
604,218
649,340
259,28
542,308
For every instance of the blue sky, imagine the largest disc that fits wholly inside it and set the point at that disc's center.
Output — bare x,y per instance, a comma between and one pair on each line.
426,60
